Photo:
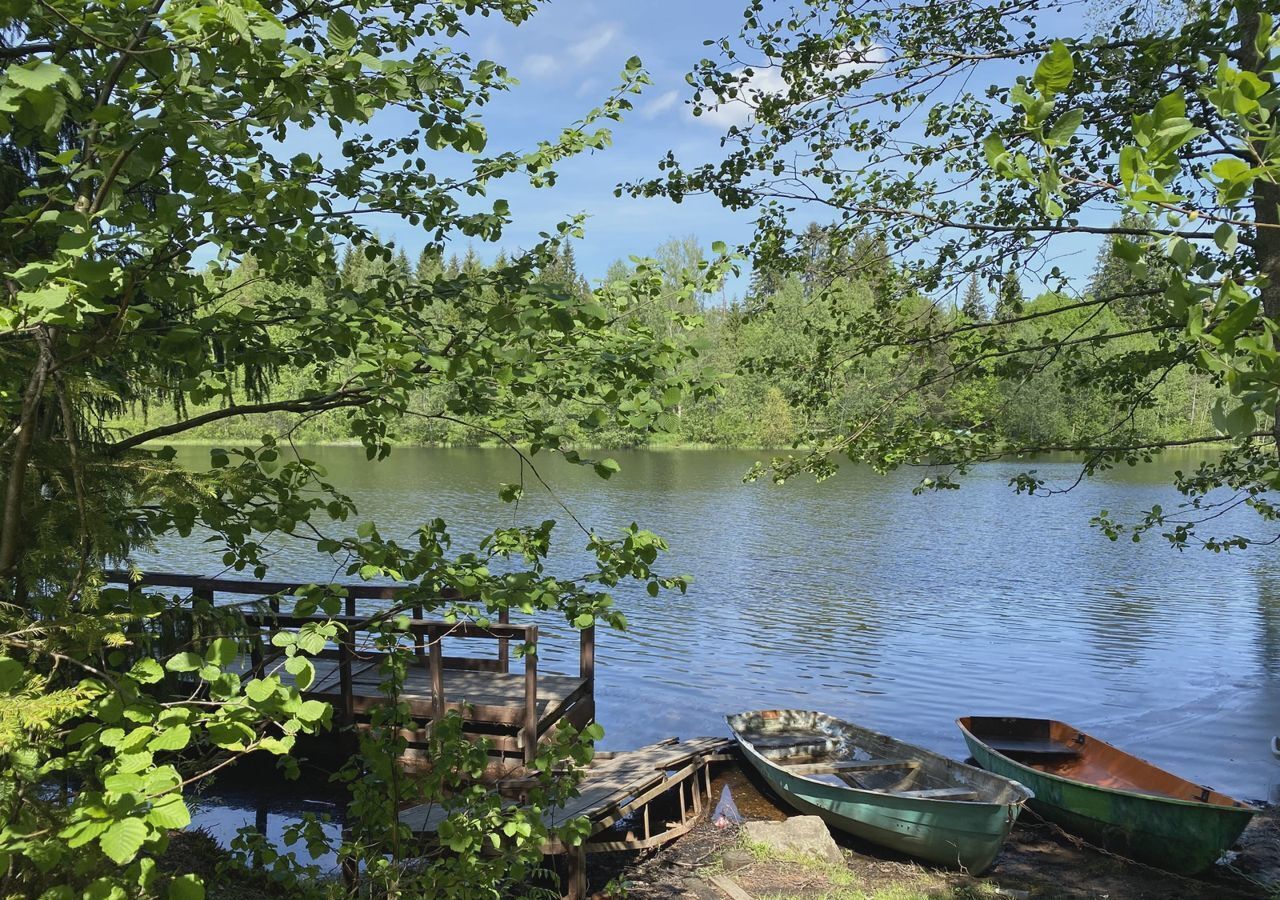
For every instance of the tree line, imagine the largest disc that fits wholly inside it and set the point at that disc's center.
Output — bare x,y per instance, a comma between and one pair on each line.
756,355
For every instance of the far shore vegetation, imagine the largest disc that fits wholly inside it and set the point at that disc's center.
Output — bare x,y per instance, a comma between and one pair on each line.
755,355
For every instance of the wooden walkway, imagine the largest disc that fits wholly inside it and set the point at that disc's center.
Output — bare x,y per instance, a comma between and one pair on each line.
512,710
619,788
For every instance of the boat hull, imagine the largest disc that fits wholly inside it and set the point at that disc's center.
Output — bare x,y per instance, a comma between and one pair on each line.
1175,835
964,835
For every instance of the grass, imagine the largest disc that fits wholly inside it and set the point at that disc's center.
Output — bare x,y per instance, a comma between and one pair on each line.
827,881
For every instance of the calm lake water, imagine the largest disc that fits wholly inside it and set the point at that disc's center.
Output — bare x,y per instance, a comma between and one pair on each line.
895,611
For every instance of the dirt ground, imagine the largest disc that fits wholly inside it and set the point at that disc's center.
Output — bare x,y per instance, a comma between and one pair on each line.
1039,861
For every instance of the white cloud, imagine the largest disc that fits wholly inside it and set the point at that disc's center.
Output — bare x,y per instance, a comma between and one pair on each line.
660,104
765,81
540,64
576,55
740,110
588,48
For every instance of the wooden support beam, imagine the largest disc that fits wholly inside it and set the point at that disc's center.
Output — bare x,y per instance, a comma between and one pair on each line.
437,675
530,729
504,649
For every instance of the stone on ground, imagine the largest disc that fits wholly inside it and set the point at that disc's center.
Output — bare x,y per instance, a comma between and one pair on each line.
798,834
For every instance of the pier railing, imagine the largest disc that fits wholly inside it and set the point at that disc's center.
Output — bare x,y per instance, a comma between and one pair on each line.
505,710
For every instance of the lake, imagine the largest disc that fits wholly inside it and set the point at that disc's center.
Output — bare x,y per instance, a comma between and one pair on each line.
895,611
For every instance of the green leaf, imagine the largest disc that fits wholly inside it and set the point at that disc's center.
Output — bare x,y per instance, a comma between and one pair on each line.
1054,71
1060,133
186,887
175,737
35,76
122,840
147,671
260,690
1236,321
302,670
606,467
1227,238
170,811
342,31
10,672
184,662
993,148
222,651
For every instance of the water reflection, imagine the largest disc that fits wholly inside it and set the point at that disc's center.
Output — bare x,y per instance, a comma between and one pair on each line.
896,611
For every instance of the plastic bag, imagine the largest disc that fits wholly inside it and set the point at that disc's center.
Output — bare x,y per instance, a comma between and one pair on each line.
726,812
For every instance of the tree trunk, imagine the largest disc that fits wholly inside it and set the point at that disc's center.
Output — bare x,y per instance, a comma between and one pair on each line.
1266,194
11,523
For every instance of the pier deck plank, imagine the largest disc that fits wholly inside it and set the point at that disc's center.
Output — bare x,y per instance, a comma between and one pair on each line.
487,693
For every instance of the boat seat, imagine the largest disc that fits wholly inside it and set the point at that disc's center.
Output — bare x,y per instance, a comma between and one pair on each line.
951,793
1032,747
848,766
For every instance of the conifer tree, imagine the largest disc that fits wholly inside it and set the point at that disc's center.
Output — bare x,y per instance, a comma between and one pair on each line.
974,306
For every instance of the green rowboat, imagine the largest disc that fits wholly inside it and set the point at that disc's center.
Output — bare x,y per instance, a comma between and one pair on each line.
881,789
1109,797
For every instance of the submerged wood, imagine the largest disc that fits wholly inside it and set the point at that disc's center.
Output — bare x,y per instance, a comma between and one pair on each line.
880,789
1107,796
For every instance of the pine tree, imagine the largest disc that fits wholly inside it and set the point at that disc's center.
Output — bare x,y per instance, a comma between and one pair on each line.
974,306
471,264
428,266
400,265
1010,300
1112,278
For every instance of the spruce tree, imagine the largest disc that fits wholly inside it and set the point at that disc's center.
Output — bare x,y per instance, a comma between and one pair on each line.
1009,300
974,306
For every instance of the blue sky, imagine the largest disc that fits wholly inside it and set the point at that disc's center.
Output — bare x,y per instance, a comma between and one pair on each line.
568,58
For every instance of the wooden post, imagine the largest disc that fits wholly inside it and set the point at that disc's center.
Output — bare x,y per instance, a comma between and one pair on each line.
577,874
437,675
504,650
530,729
418,635
198,594
345,654
255,653
587,669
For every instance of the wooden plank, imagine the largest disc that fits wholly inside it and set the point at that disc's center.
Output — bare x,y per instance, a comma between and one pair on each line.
849,766
244,586
951,793
729,887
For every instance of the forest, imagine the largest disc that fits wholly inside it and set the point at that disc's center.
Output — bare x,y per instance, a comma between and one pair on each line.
755,355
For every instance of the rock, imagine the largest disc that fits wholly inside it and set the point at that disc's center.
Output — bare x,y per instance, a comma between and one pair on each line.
701,889
733,860
799,834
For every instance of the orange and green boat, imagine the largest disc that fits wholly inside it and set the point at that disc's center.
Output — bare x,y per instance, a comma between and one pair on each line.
1107,796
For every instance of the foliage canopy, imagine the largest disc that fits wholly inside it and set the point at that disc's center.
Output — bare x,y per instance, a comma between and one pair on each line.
985,139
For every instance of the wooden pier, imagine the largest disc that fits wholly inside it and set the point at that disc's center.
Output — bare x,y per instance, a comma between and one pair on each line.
513,710
617,796
633,800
